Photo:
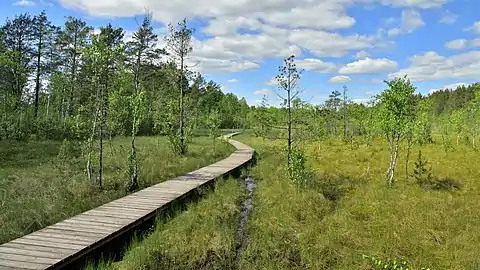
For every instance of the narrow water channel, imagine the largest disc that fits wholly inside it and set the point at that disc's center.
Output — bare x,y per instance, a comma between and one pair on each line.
247,208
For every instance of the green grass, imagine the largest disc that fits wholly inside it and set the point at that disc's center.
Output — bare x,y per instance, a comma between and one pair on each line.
202,237
37,189
351,212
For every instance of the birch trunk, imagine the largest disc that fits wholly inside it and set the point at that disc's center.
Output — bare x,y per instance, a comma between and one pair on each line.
394,162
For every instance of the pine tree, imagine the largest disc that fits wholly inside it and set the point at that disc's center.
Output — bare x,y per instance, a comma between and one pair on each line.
179,44
141,52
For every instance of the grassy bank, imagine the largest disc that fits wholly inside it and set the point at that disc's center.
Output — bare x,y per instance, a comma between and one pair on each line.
203,237
350,212
37,188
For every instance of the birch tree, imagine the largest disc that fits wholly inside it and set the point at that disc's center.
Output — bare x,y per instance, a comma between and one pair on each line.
395,117
105,51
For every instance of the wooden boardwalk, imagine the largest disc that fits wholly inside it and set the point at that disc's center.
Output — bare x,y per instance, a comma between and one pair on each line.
63,243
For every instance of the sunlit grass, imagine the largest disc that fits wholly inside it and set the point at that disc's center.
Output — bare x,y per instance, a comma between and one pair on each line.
37,190
298,229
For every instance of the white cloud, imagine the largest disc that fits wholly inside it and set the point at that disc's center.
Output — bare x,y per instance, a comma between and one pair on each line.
475,27
316,65
410,21
460,44
363,101
230,25
24,3
432,66
327,44
449,18
340,79
233,81
318,14
414,3
475,42
215,66
448,86
457,44
369,66
277,28
263,92
361,55
272,82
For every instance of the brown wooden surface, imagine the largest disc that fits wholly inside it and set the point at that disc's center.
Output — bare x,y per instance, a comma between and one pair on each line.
70,239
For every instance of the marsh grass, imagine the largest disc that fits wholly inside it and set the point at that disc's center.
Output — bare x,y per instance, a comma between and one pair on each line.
351,212
202,237
38,189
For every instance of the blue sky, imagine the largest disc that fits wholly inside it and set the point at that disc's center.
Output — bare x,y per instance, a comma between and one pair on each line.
359,43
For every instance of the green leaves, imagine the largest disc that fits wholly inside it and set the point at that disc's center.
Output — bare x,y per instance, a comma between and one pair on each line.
396,107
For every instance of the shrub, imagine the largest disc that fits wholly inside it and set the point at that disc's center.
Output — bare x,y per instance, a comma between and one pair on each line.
297,171
69,150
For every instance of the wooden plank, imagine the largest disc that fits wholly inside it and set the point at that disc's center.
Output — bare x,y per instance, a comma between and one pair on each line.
110,216
154,193
122,213
98,229
42,238
28,259
59,234
93,223
146,201
101,220
54,250
22,265
157,200
2,267
47,244
125,215
114,208
78,227
131,206
34,253
125,209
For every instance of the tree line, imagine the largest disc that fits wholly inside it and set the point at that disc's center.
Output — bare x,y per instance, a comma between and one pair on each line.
399,115
78,85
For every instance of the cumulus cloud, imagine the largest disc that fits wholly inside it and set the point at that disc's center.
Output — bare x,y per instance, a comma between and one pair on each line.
475,27
340,79
272,82
432,66
263,92
409,22
448,18
24,3
369,66
233,81
361,55
327,44
460,44
457,44
448,86
275,28
316,65
363,101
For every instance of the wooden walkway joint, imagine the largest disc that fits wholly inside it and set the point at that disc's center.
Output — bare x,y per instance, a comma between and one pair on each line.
65,242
